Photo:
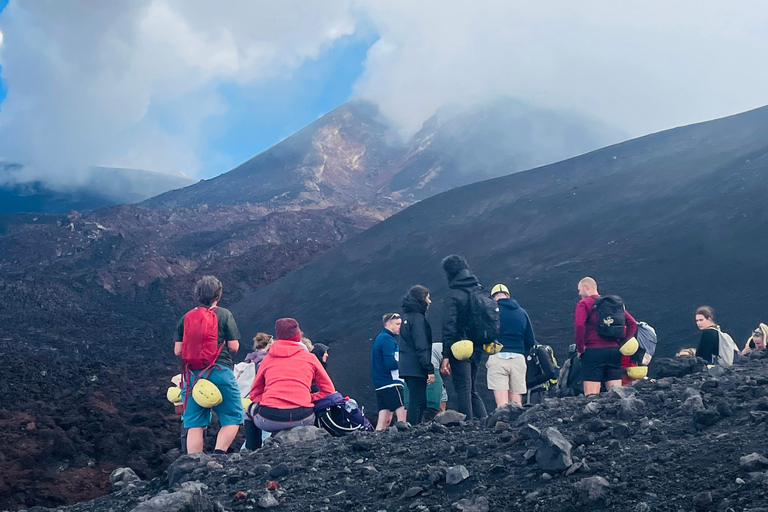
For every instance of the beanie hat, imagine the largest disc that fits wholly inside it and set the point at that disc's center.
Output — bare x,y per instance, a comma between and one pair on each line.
454,264
287,329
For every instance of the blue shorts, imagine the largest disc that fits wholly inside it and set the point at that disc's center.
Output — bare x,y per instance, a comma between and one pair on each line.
229,411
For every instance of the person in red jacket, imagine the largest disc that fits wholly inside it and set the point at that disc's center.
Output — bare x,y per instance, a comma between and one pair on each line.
600,358
281,390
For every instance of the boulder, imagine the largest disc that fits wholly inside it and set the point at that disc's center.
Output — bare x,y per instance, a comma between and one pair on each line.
456,475
753,462
301,434
554,451
621,392
630,408
188,499
180,470
591,489
121,477
693,404
676,367
450,418
530,432
507,413
707,417
479,504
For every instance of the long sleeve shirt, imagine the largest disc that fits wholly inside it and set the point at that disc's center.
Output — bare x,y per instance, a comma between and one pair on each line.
585,327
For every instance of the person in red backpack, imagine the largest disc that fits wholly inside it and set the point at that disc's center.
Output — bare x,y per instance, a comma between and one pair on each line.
206,337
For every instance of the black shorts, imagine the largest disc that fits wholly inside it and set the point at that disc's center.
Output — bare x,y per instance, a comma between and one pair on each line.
601,364
390,399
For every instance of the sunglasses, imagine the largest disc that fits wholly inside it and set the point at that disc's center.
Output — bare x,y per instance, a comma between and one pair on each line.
758,333
392,316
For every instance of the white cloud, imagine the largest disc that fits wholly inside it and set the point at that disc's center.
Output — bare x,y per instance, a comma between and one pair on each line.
643,66
92,82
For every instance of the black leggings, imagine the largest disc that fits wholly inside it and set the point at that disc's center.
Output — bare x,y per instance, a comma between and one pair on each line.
417,399
252,435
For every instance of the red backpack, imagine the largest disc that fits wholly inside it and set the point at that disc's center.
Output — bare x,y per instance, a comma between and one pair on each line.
200,344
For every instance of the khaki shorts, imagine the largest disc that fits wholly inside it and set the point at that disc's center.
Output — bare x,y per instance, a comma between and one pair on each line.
507,374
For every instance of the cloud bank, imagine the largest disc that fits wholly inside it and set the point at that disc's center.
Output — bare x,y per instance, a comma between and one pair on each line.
134,84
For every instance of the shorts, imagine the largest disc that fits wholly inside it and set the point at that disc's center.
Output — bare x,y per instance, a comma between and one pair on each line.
507,374
601,364
390,399
229,411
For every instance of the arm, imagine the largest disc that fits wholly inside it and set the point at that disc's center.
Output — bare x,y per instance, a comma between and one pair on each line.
388,350
450,324
233,346
231,333
322,380
178,337
579,326
630,325
529,340
423,345
177,348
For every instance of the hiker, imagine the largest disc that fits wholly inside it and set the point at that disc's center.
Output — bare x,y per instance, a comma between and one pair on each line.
601,325
254,436
437,396
385,372
320,351
507,368
715,346
570,382
281,390
198,333
307,343
456,326
757,340
416,351
542,372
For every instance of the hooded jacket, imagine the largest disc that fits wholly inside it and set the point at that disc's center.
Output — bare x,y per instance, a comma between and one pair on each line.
285,377
416,340
384,361
319,350
456,309
516,332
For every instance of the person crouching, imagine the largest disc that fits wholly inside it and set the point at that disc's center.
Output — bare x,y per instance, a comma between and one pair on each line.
281,390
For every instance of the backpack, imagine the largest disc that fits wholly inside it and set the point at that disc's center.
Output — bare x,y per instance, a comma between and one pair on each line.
726,349
570,382
484,324
647,339
610,317
340,415
245,373
200,344
535,360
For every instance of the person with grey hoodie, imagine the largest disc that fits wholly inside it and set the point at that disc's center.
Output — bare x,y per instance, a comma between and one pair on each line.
254,437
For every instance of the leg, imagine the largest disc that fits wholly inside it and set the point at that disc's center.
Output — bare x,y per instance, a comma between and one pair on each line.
517,398
591,387
501,396
385,418
226,435
611,383
417,399
497,379
478,407
517,388
194,440
400,413
252,435
461,373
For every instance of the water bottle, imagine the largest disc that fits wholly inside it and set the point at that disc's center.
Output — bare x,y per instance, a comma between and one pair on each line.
350,405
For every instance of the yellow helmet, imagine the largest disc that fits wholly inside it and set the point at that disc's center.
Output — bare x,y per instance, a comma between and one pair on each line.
493,347
246,402
630,347
173,394
462,349
206,394
637,372
500,288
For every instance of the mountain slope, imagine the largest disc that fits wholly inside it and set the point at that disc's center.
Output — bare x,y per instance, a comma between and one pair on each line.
351,155
669,222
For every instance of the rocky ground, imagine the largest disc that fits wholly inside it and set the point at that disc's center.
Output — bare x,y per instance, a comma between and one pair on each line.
680,442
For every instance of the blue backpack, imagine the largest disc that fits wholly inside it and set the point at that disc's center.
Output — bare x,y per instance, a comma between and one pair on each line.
340,415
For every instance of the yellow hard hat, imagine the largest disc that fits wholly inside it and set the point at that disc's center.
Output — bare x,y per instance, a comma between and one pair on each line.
462,349
493,347
173,394
630,347
637,372
500,288
246,402
206,394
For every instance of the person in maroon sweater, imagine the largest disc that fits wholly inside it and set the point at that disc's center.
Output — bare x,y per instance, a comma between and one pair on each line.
600,358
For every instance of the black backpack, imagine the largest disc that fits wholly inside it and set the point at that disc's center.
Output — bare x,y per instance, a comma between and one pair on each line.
570,382
610,317
483,326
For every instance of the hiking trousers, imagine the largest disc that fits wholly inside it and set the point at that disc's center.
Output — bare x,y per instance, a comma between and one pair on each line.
417,399
464,374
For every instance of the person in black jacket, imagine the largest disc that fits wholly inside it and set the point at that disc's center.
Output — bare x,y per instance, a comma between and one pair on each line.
541,370
416,351
456,322
709,345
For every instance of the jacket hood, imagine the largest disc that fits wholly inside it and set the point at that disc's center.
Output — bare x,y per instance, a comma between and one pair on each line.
508,303
464,279
413,305
286,348
256,356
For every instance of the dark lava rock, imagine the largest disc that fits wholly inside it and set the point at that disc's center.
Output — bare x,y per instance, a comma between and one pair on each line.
449,418
280,470
707,417
676,367
592,488
507,413
554,451
479,504
181,469
122,477
301,434
188,499
530,432
456,475
753,462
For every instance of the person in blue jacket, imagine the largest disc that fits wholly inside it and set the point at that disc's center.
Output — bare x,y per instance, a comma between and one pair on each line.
384,372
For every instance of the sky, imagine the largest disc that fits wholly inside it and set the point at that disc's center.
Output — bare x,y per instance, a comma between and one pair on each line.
199,87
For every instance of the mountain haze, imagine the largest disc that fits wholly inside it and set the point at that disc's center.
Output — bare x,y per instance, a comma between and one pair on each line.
669,221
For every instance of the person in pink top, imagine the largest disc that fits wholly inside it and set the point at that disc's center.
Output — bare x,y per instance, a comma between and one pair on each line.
281,390
600,357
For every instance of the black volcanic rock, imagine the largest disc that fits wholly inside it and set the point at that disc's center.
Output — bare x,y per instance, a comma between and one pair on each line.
647,218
